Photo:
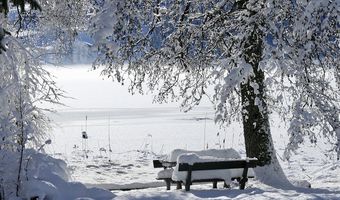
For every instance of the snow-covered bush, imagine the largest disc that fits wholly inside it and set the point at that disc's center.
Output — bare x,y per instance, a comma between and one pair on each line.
45,177
48,178
24,85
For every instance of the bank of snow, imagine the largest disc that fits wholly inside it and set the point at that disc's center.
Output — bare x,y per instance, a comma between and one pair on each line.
47,178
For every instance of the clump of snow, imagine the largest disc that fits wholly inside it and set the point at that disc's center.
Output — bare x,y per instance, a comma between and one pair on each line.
192,158
273,175
216,153
43,166
39,189
165,173
302,183
47,178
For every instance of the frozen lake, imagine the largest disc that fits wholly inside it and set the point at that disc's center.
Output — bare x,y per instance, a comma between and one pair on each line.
136,136
163,128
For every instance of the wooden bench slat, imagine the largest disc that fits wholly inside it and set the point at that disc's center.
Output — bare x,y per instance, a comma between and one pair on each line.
163,164
157,164
232,164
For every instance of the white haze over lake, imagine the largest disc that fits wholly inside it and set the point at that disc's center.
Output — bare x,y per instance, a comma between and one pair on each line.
88,89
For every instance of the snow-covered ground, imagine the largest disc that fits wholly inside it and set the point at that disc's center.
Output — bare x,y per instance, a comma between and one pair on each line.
138,135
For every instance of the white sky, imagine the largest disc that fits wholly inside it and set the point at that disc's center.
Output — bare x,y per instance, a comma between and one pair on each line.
90,90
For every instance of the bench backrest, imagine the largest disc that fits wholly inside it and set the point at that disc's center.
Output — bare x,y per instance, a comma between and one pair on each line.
162,164
230,164
157,164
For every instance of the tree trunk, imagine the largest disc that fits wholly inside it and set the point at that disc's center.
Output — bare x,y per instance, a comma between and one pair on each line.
254,109
257,135
21,142
256,126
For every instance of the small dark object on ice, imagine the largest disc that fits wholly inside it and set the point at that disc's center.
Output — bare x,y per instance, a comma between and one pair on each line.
84,135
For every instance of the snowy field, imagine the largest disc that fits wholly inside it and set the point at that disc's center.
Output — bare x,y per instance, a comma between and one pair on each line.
138,135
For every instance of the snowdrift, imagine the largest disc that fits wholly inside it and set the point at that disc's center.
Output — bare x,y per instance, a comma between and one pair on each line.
47,178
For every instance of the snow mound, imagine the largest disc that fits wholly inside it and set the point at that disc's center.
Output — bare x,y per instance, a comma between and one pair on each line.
192,158
47,178
39,189
301,183
216,153
165,173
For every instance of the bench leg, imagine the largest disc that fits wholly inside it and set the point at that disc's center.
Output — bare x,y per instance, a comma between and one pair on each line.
243,183
244,178
188,181
179,186
215,184
168,184
187,186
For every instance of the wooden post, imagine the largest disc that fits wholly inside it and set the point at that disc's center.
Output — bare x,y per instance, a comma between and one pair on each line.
188,181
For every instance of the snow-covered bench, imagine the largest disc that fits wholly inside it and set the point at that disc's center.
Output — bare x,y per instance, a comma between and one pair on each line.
225,158
192,168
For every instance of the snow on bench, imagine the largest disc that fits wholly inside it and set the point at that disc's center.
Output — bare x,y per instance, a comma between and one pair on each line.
192,168
216,153
169,175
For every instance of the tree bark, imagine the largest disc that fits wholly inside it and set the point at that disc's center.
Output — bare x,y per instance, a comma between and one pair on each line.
256,126
255,115
21,142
